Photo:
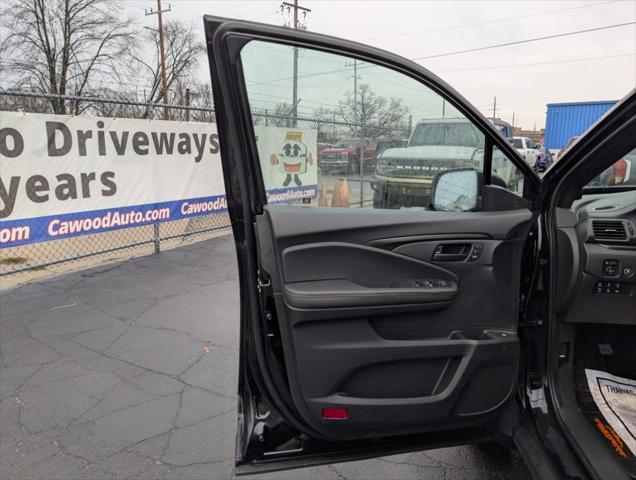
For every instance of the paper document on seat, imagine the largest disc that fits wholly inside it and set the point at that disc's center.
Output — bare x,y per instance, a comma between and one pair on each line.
615,397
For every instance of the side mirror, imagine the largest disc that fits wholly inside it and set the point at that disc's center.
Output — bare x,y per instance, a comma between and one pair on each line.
456,190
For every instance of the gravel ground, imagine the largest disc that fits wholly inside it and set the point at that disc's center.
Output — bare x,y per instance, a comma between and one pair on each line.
129,371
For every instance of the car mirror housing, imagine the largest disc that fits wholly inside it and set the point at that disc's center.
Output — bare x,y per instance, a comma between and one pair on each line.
456,190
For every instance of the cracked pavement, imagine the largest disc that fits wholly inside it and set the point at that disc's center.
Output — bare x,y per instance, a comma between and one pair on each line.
129,370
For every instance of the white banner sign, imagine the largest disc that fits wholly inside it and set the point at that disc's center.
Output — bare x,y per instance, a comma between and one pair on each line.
63,176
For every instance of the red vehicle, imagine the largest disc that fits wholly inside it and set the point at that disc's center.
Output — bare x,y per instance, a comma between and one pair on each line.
321,146
344,156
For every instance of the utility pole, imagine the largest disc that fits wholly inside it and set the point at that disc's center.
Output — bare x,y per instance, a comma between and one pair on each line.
358,128
164,84
359,120
494,109
355,95
296,26
513,120
162,57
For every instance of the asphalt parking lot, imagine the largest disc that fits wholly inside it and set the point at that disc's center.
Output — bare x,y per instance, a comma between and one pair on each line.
129,370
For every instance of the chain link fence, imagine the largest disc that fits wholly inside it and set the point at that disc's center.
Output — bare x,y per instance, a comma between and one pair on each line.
146,239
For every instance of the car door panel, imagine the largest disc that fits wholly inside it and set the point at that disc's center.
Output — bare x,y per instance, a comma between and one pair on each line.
364,332
360,326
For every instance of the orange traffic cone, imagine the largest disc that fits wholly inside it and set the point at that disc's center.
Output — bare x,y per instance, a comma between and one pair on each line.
344,193
323,201
335,200
340,194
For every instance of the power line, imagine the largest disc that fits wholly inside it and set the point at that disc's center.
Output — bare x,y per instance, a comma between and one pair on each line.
301,76
255,14
394,81
490,67
250,93
457,27
528,40
514,65
229,12
458,51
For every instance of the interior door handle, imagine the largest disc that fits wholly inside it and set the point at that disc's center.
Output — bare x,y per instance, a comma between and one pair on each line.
449,257
452,252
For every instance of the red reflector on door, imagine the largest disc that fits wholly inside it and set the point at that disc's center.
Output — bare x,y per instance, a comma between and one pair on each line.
335,413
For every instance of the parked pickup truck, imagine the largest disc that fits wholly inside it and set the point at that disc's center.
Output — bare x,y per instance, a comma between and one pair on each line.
527,149
404,175
344,156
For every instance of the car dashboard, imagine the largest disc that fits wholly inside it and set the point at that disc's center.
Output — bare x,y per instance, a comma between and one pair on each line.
596,274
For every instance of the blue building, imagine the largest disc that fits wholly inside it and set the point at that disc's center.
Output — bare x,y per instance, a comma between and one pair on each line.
567,120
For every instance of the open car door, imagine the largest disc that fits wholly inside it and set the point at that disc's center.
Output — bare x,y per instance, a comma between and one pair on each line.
388,326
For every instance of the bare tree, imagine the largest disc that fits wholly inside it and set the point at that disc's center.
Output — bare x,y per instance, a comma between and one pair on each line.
377,115
325,124
63,46
322,114
183,54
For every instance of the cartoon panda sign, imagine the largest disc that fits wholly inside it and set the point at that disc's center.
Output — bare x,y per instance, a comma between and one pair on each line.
288,159
292,158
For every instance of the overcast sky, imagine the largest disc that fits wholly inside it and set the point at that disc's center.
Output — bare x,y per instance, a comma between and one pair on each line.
598,65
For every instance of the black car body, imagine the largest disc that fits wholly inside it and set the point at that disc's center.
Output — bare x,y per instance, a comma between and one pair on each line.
366,332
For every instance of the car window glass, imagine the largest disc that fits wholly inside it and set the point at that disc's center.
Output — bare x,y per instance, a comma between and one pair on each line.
516,142
300,98
530,144
505,173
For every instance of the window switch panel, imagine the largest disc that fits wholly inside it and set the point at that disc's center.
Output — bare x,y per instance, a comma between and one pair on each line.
610,288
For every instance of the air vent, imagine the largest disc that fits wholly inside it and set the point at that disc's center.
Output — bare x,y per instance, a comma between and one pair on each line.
611,230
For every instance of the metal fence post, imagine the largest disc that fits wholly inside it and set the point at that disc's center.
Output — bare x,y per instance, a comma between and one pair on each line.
156,234
156,237
334,126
